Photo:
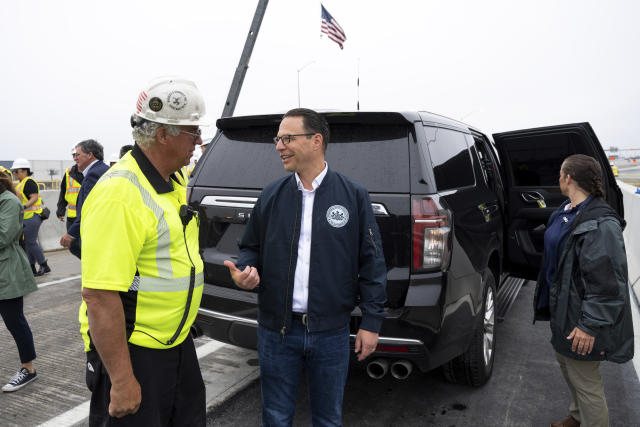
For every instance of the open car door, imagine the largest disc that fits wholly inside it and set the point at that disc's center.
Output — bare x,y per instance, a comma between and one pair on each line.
531,161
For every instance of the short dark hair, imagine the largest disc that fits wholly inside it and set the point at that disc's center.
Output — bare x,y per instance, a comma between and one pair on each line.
312,122
92,146
586,172
125,149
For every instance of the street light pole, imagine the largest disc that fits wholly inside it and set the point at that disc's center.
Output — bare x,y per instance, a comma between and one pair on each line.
300,69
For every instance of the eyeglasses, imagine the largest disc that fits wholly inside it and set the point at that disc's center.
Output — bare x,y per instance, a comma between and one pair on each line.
197,134
287,138
74,155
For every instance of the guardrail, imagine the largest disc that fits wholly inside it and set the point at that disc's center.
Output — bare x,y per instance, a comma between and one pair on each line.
631,233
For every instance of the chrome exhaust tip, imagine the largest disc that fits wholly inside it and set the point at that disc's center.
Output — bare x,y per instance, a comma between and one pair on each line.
401,369
378,368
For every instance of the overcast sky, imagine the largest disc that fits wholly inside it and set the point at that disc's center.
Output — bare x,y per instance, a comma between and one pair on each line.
72,70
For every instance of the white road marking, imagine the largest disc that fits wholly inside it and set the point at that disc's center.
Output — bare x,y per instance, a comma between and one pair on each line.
81,412
70,417
55,282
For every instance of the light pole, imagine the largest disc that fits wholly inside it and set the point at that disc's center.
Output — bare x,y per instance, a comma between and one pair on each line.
300,69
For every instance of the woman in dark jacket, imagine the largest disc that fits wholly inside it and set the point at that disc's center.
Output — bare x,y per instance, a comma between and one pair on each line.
583,289
16,280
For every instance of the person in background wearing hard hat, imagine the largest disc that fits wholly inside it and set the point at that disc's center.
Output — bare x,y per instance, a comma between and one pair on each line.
69,189
27,190
113,159
142,275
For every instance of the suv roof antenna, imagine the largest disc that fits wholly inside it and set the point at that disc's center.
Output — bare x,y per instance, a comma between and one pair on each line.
243,64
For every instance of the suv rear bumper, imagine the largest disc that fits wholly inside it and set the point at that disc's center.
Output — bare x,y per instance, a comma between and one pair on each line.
242,331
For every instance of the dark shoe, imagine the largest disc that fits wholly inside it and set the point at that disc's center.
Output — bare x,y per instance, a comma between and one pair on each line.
44,269
569,422
19,380
34,271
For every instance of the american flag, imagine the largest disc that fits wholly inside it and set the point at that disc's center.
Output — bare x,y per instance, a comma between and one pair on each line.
331,28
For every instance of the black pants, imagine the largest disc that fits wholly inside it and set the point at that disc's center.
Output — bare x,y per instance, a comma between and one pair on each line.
173,392
13,316
70,222
76,247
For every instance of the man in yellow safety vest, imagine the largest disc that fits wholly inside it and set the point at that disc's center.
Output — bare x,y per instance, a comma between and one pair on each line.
142,276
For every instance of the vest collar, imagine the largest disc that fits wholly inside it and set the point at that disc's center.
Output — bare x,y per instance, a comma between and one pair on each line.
151,173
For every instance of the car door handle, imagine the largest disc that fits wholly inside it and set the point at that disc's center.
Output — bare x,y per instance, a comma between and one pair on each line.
531,196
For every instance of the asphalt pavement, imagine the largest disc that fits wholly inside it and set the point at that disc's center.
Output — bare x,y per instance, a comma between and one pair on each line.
526,389
59,396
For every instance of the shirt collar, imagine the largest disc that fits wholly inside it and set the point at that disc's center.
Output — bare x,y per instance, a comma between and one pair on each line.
86,171
150,172
316,181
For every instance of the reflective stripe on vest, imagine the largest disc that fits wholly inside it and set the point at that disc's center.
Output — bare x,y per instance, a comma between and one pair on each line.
163,253
71,194
158,284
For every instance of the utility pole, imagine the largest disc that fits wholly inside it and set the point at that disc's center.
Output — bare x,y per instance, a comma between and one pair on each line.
238,77
300,69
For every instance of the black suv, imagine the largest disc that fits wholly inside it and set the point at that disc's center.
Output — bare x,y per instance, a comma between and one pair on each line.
458,214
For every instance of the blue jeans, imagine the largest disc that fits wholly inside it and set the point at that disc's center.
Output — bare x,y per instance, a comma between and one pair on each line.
33,249
324,356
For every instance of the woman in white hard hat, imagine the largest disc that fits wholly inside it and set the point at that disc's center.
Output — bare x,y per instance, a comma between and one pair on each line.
16,281
27,190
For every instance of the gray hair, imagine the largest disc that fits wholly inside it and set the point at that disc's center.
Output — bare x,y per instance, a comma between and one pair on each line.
92,146
144,132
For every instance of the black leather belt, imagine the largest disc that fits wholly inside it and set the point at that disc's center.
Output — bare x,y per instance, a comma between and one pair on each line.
301,317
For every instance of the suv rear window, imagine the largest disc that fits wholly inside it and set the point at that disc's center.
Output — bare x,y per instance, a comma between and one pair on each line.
450,158
376,156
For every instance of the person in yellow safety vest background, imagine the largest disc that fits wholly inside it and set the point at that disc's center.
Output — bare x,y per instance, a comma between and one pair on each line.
27,190
7,171
69,189
142,276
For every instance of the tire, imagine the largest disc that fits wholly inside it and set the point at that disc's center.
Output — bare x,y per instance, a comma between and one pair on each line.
474,366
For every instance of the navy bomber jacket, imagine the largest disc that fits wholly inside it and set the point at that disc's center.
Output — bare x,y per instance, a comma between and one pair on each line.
347,263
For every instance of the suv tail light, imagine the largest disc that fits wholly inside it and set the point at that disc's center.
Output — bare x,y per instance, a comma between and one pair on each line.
431,234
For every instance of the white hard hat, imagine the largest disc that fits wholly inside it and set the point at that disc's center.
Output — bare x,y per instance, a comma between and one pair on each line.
172,100
114,157
73,150
21,164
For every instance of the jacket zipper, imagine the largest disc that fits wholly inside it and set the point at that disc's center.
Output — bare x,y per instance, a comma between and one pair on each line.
373,242
283,331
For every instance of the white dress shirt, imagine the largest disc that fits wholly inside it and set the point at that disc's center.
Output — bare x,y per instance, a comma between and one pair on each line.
301,280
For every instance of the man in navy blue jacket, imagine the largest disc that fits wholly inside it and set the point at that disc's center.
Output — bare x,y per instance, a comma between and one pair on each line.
89,158
312,247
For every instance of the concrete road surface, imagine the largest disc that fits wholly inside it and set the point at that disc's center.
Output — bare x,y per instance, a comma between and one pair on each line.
526,389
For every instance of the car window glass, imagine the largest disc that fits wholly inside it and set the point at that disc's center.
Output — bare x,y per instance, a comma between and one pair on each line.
450,158
536,161
376,156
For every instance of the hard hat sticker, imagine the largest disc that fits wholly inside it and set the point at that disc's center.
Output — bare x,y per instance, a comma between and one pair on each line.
177,100
141,98
155,104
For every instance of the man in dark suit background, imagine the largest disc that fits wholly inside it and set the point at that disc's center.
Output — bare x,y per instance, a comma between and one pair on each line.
90,156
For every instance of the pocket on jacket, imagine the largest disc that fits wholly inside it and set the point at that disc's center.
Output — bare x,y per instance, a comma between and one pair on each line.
599,277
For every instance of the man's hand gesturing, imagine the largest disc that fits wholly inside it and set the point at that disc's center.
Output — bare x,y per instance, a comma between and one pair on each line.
245,279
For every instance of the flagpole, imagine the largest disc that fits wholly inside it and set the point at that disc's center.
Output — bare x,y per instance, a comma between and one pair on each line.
300,69
358,87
